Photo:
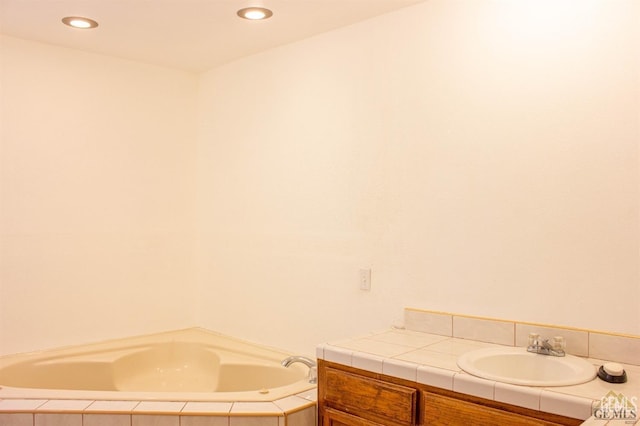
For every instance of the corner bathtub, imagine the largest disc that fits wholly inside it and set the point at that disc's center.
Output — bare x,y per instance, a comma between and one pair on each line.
191,377
186,365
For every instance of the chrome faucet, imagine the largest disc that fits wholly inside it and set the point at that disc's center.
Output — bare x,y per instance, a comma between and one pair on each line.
313,368
544,347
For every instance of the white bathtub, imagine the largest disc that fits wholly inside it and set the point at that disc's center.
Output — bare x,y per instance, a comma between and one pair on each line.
187,365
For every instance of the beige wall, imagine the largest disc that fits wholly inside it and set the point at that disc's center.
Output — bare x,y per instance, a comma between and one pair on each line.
97,197
480,156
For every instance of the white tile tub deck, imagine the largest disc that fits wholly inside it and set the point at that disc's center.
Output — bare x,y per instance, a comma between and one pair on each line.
295,410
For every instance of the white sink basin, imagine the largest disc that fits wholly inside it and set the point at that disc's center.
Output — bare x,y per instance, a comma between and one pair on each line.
519,367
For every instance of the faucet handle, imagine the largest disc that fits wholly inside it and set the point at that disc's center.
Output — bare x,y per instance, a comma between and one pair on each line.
534,339
559,343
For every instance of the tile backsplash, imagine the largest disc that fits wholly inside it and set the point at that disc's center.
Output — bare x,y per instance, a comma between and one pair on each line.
484,330
584,343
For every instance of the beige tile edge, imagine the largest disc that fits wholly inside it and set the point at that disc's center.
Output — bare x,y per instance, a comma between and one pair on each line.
537,324
277,412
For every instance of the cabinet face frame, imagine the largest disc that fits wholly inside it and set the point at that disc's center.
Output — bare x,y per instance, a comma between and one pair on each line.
328,411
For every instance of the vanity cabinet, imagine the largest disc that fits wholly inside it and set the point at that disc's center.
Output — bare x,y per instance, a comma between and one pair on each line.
352,397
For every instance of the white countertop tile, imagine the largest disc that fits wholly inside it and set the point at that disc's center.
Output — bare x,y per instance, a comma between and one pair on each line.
373,346
565,405
367,362
414,339
437,377
401,369
431,358
471,385
454,346
518,395
337,354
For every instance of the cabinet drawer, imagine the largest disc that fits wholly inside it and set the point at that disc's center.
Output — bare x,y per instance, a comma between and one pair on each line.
338,418
369,398
445,411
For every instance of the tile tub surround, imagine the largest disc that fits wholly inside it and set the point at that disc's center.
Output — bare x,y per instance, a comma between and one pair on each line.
431,359
295,410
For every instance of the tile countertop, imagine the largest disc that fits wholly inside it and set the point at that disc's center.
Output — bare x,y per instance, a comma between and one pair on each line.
430,359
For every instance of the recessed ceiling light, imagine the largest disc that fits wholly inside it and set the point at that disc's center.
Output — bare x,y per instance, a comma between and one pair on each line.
255,13
79,22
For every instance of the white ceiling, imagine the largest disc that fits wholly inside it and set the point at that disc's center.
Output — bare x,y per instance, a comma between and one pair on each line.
194,35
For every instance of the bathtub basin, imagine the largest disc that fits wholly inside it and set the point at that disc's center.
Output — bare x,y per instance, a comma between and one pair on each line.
517,366
187,365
